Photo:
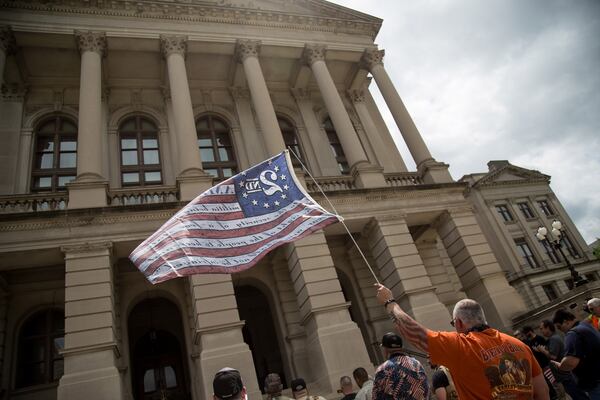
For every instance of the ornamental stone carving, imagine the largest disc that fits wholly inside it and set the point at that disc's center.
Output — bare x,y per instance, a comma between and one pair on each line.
313,53
372,58
301,94
238,92
173,45
247,48
91,41
357,96
7,40
13,92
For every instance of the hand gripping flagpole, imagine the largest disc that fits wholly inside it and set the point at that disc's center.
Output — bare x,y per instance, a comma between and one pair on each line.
340,218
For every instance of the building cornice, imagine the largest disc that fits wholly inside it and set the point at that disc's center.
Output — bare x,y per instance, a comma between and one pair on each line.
342,20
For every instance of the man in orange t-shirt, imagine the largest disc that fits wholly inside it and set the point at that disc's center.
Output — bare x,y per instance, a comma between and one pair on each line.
485,363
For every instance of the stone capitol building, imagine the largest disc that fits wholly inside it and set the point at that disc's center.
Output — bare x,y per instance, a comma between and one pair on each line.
115,113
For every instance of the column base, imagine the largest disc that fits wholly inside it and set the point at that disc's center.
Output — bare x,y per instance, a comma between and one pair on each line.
90,376
367,176
434,172
193,182
224,347
86,191
335,348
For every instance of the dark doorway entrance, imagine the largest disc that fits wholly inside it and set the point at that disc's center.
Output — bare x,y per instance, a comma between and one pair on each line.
157,367
259,333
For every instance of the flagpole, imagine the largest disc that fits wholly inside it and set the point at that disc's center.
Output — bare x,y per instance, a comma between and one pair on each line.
340,218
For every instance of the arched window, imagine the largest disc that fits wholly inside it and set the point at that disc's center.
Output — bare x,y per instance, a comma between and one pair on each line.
140,157
216,148
336,146
290,138
55,159
41,338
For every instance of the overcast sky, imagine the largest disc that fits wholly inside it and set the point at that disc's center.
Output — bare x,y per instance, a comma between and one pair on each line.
501,79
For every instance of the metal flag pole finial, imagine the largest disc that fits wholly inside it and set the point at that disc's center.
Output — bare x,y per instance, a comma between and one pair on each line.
340,218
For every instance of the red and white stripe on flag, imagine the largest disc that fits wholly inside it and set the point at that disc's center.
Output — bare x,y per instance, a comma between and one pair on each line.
231,226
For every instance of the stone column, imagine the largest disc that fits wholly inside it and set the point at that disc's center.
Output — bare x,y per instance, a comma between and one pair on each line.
324,314
191,179
314,56
7,45
433,171
91,351
12,100
476,266
3,316
326,164
89,188
246,52
218,332
254,143
402,271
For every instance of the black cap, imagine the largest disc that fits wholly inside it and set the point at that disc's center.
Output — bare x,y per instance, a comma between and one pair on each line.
391,341
298,384
227,383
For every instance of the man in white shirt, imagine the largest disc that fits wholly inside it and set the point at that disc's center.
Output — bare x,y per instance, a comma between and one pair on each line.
364,382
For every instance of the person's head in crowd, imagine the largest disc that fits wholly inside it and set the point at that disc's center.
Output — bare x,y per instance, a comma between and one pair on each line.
391,343
547,328
360,376
228,385
467,314
346,385
563,320
519,335
273,385
594,306
528,332
299,388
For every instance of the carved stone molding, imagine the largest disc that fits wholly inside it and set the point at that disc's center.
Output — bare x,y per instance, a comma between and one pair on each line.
91,41
247,48
356,96
173,45
7,40
239,93
372,57
166,93
313,53
13,92
86,247
300,94
58,96
136,99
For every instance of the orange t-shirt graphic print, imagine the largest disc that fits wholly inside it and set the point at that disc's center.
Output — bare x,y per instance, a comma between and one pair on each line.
485,365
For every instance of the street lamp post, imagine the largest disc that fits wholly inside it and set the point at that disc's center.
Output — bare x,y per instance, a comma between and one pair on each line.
553,239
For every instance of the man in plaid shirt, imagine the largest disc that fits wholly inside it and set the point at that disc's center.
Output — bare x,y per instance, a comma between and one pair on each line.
401,377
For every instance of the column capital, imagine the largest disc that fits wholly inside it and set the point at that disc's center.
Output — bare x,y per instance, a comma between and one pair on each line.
91,41
357,96
371,58
173,45
313,53
13,91
300,94
238,92
87,247
8,43
245,48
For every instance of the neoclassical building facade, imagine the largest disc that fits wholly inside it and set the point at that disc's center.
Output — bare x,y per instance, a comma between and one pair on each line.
116,113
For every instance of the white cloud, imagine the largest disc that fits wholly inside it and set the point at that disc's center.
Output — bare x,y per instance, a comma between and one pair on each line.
501,79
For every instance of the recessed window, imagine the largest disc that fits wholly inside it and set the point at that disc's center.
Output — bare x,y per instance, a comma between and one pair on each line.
55,159
140,155
336,147
551,252
504,212
216,147
526,210
545,207
290,138
41,339
568,244
526,253
550,291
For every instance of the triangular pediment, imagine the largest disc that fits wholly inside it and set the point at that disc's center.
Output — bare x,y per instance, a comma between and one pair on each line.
511,174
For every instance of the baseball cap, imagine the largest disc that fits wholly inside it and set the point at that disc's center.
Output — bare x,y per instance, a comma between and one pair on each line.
227,383
298,384
391,341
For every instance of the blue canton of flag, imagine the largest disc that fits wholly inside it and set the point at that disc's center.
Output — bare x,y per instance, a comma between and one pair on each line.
231,226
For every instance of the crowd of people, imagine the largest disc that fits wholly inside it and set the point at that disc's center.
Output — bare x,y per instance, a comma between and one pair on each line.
474,362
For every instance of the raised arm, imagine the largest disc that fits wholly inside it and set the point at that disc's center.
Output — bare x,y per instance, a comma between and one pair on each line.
407,327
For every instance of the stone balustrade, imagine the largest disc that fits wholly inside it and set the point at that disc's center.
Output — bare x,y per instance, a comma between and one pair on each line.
396,179
144,195
23,203
331,183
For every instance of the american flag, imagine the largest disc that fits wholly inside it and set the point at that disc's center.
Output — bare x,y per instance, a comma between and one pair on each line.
231,226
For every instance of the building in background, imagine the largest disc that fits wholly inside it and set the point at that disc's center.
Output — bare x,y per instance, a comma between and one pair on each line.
116,113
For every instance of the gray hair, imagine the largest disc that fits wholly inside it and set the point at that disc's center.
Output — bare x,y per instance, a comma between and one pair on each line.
345,381
595,302
470,312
